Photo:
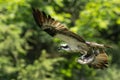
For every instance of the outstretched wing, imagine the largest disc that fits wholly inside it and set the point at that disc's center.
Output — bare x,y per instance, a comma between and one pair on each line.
100,61
57,29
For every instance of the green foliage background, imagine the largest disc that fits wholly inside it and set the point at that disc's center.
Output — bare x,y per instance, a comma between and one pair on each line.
28,53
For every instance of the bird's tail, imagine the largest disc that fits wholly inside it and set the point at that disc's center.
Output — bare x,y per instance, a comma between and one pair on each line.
100,61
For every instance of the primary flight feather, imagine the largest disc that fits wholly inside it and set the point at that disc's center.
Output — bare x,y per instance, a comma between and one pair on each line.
93,53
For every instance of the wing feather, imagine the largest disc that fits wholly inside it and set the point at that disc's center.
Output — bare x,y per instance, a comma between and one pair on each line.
50,25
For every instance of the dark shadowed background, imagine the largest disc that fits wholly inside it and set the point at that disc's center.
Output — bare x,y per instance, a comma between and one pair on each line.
28,53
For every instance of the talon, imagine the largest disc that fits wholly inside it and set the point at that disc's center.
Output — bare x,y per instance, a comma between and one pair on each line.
86,59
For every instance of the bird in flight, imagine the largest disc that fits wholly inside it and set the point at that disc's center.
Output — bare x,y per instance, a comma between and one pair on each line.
93,54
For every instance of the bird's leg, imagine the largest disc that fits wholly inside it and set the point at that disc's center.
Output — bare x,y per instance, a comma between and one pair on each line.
87,57
90,52
95,51
84,60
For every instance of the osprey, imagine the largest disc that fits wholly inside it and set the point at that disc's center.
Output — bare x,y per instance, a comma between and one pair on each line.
93,54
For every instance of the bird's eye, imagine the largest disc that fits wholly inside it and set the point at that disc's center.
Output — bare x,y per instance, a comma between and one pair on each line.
65,46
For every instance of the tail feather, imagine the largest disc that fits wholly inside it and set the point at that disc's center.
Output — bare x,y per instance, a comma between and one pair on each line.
100,61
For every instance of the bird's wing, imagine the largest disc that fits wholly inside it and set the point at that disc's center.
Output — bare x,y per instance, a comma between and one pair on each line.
56,29
100,61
